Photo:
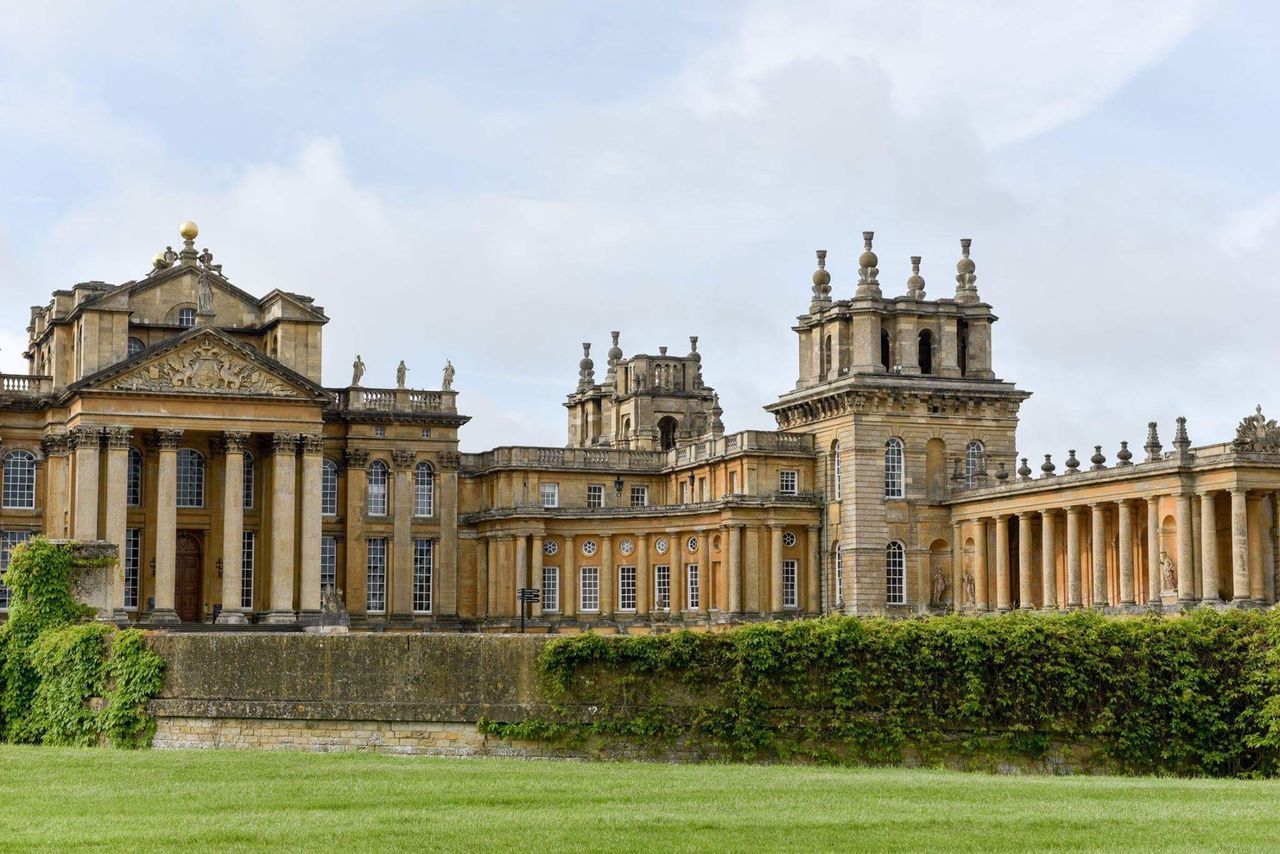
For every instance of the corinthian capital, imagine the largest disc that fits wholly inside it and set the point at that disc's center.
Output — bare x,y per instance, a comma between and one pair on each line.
168,439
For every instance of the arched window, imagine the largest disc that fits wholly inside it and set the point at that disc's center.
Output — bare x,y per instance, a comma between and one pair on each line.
190,478
975,464
895,574
377,504
886,349
424,490
895,470
667,432
825,367
136,346
133,487
329,488
248,481
186,317
926,351
19,480
835,468
962,346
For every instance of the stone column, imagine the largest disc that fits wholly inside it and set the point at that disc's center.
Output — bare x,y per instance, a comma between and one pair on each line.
1002,562
400,572
1186,551
57,506
957,567
1208,547
814,587
775,568
309,525
644,590
494,585
1098,538
356,461
166,526
1254,507
1239,547
982,598
445,578
1025,592
735,569
1125,524
1272,580
233,446
284,464
1048,561
535,573
117,509
87,442
1075,584
1154,582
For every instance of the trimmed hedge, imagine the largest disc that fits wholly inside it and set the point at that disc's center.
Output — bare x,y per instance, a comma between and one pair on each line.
1196,695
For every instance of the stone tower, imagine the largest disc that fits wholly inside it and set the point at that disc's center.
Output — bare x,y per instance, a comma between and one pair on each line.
901,397
645,402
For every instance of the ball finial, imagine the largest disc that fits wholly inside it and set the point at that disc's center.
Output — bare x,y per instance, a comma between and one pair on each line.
188,230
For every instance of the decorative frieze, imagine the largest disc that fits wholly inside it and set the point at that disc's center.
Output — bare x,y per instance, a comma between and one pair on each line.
207,368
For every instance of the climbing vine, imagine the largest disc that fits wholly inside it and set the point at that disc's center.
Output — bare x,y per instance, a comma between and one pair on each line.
1198,694
54,665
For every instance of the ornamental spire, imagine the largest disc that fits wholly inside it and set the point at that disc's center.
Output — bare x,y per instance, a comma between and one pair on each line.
868,271
915,282
966,280
821,284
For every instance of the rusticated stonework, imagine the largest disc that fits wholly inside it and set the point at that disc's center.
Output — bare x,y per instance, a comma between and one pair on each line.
205,368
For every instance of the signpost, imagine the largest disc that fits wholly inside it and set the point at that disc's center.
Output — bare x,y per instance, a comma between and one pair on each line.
526,596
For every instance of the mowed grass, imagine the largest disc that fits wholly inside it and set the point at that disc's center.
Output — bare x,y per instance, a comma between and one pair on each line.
147,800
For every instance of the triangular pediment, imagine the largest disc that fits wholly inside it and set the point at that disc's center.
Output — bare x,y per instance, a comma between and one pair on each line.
203,361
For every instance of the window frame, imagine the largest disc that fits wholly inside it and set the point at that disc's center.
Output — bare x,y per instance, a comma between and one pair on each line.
627,588
549,495
792,475
589,583
423,567
692,587
248,558
135,468
131,563
836,483
895,469
248,481
328,561
895,570
424,491
642,493
376,570
595,496
19,489
189,479
550,591
790,584
328,488
974,454
9,540
377,490
186,317
662,586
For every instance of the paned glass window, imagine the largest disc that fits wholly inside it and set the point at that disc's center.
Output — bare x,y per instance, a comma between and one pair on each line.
626,588
377,488
133,484
248,481
894,469
186,317
692,586
895,574
639,496
788,482
422,558
190,478
789,569
132,566
595,495
8,541
424,490
329,488
135,346
249,542
589,589
19,480
550,588
662,587
550,493
328,562
376,576
974,464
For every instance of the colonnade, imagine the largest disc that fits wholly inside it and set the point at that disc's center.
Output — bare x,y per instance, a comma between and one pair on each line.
1103,554
289,537
729,579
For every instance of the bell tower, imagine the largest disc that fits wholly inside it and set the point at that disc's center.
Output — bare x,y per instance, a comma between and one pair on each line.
905,407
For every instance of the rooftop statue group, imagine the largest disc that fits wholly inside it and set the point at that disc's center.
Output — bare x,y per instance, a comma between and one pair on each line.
358,369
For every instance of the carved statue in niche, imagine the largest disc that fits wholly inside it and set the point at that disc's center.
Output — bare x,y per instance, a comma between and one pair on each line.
939,589
970,591
1168,573
357,370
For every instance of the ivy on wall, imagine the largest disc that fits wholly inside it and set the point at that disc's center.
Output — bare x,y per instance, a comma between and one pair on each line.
52,663
1197,694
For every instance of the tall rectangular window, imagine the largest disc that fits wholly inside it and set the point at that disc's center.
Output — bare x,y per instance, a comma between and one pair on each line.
424,490
895,574
788,482
246,570
595,495
376,576
702,489
789,568
626,588
589,589
422,554
8,541
733,483
639,496
662,587
132,566
550,493
328,562
248,481
133,480
550,588
839,573
691,577
329,488
190,478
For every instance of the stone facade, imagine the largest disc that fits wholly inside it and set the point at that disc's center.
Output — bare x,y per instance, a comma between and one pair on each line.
183,419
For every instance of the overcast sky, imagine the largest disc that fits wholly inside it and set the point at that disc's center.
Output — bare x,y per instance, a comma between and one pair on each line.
495,184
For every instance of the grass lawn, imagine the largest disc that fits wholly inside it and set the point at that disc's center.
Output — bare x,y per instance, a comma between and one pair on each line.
59,798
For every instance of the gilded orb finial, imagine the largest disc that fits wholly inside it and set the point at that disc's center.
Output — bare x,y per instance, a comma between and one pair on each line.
188,230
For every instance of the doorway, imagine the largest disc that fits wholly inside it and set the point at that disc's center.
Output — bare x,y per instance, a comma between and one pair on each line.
187,567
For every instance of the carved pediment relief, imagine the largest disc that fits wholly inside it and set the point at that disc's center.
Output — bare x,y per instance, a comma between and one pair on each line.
207,367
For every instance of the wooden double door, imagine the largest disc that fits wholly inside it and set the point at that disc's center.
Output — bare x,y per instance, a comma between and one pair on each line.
189,572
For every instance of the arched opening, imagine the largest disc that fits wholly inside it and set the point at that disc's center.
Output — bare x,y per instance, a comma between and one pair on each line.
667,432
940,592
886,348
825,367
935,468
835,469
926,351
975,464
962,346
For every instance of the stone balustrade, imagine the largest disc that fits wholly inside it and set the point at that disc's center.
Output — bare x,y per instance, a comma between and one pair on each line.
394,400
25,385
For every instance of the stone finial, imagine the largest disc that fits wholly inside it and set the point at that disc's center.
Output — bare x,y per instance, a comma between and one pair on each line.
1047,466
615,355
1002,473
586,368
821,284
915,282
717,426
1181,441
868,271
1099,461
1073,462
966,280
693,349
1024,470
1124,456
1153,446
662,351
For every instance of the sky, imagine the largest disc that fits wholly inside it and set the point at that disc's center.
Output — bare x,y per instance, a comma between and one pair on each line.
495,183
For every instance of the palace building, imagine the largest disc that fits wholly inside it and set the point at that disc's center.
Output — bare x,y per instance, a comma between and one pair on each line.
184,420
